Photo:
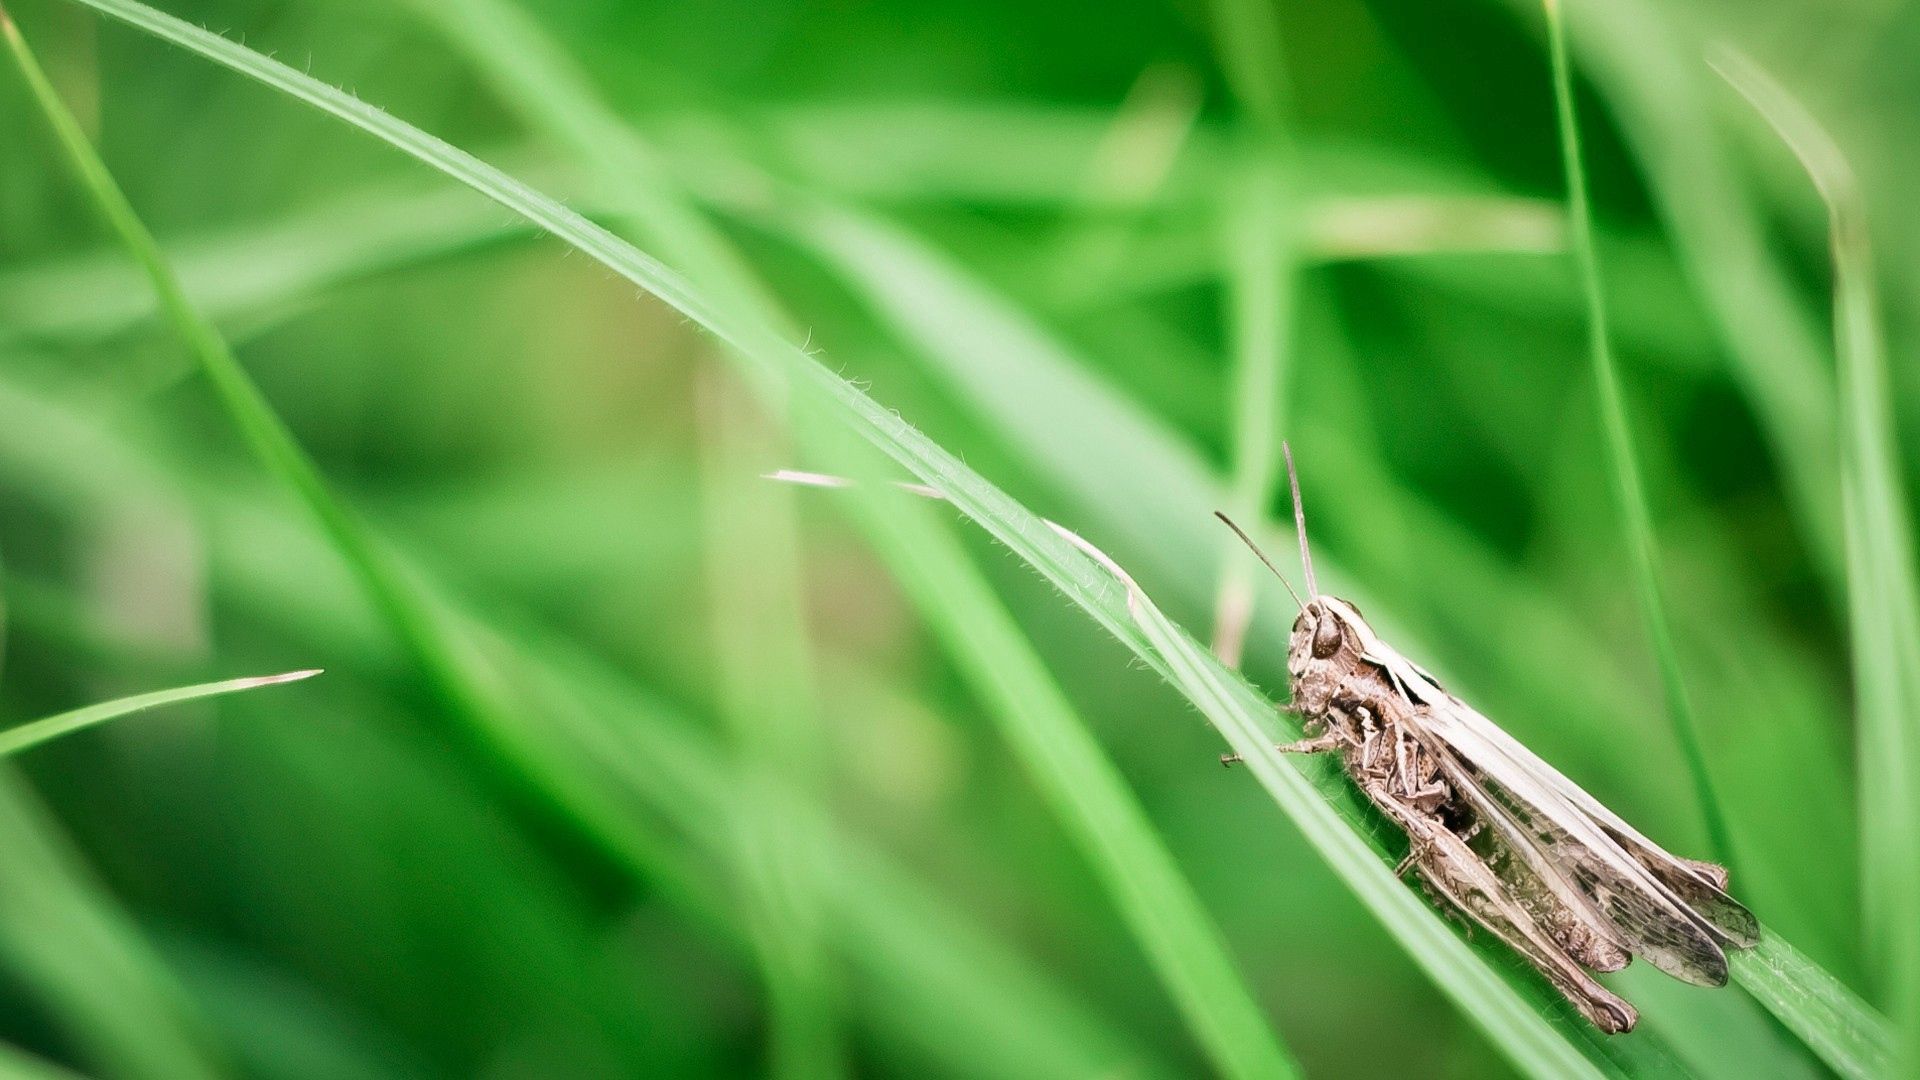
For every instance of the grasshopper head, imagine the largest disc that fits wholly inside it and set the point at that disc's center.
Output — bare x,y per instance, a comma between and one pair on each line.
1321,648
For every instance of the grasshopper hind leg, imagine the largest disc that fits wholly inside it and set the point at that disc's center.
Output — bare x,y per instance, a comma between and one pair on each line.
1460,881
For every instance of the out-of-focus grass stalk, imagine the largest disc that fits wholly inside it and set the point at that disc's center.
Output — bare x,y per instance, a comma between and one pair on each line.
763,670
1259,231
1645,59
17,1064
1883,596
1247,36
120,1003
404,606
1257,234
107,992
943,984
1125,175
1623,468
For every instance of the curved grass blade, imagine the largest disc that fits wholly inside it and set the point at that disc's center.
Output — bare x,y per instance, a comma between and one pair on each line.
1883,595
33,733
265,434
86,962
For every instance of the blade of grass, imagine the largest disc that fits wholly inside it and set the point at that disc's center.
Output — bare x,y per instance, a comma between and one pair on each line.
1097,233
1883,595
17,1064
402,603
1647,63
108,995
1257,235
33,733
283,263
1247,37
1844,1030
1173,929
935,975
1239,713
764,671
1629,492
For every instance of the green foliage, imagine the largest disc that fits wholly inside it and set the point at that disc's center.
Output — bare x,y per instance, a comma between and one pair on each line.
629,762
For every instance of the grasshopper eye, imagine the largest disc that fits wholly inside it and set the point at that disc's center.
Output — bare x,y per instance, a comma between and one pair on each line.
1326,637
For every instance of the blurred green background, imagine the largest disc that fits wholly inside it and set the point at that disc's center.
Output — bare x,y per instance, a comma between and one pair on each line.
1104,253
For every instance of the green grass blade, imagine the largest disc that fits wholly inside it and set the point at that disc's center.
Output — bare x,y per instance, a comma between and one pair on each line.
1623,466
490,728
509,752
1845,1031
1258,236
17,1064
1645,58
1883,595
1522,1032
936,978
510,49
764,668
1247,38
33,733
235,275
245,400
85,960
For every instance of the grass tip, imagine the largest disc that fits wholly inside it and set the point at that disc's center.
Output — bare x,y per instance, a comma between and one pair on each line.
284,677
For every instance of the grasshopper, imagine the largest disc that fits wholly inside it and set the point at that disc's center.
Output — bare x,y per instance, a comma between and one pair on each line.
1495,833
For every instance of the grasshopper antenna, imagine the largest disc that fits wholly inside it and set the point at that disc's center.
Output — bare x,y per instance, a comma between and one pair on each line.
1299,521
1261,555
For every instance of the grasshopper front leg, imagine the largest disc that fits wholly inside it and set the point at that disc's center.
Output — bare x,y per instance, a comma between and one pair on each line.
1318,744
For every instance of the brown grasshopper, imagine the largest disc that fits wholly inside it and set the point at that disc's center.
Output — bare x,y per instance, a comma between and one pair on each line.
1496,834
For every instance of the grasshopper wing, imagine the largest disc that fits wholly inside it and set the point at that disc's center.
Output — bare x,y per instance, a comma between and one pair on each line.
1701,887
1664,908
